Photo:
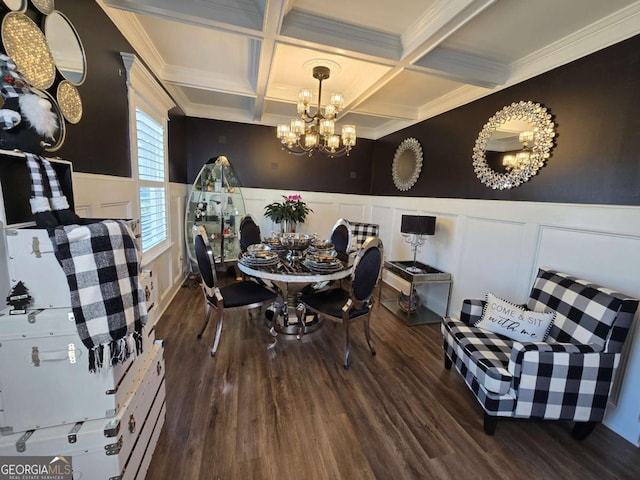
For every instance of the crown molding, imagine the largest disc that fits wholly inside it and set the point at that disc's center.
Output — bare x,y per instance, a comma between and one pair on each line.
141,80
242,14
134,33
615,28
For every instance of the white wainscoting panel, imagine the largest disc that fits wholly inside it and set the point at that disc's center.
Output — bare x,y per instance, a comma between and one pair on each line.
353,211
104,196
612,260
485,245
490,260
322,220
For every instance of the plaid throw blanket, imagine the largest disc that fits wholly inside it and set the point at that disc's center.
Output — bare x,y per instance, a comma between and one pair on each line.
101,263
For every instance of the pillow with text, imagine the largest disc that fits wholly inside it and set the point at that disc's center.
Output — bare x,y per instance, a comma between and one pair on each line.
518,323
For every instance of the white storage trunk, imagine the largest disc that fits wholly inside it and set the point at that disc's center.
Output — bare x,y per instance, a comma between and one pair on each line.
107,449
27,250
45,378
30,259
148,284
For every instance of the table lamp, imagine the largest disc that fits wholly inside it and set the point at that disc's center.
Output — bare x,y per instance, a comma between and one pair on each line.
414,228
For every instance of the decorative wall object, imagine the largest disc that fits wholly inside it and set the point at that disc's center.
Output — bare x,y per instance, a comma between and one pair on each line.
532,127
407,164
47,51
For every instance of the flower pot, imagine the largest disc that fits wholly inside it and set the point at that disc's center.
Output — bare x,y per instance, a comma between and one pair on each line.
288,226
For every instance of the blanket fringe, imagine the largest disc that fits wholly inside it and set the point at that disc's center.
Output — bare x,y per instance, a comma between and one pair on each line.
115,352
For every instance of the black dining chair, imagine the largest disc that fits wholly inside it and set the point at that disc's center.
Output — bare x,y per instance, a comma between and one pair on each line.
245,294
249,233
341,236
356,302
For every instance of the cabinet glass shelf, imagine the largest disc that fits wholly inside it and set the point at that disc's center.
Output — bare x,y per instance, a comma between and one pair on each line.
216,203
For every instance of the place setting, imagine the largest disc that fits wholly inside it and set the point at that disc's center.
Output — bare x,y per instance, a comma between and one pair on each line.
322,257
259,255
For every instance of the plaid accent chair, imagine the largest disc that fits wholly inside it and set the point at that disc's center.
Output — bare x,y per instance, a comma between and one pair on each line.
360,232
566,377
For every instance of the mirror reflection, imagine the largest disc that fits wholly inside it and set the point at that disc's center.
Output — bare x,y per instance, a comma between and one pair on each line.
66,48
406,165
509,147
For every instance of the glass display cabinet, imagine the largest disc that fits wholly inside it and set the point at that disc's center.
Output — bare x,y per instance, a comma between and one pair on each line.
216,203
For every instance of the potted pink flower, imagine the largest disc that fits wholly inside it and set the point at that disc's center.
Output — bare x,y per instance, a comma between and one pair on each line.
291,211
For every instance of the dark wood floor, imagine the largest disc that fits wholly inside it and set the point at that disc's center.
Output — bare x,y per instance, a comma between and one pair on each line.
293,412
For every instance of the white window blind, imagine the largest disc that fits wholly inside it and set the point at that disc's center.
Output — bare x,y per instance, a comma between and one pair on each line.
151,176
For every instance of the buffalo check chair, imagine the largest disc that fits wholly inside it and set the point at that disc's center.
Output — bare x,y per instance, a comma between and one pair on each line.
242,295
567,377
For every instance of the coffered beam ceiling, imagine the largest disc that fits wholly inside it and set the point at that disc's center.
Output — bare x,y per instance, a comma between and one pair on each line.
397,63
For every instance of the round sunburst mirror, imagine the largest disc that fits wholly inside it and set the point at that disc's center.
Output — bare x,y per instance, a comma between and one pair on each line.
513,145
407,164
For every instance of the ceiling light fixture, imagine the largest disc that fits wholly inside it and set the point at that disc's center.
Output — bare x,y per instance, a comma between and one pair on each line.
311,133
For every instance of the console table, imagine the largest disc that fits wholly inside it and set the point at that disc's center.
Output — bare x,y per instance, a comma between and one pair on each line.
423,314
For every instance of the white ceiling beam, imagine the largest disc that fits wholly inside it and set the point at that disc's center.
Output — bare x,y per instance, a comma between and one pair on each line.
444,18
462,67
302,26
195,78
437,23
263,59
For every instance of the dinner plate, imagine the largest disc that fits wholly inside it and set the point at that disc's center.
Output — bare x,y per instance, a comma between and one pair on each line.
323,257
323,266
262,261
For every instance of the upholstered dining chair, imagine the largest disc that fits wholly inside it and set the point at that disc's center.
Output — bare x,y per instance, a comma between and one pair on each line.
245,294
349,305
249,232
341,236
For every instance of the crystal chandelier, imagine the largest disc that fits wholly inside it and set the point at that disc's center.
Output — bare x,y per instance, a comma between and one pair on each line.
310,133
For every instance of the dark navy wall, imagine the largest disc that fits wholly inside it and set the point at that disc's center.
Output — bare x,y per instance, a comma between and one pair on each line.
255,154
99,143
595,103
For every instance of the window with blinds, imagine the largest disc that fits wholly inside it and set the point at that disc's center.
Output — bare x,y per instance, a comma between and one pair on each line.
151,177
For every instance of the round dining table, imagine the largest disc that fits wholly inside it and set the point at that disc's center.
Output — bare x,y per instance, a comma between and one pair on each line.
288,277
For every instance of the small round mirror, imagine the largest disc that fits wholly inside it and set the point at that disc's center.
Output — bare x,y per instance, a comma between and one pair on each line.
44,6
16,5
66,47
59,137
26,45
407,164
513,145
69,101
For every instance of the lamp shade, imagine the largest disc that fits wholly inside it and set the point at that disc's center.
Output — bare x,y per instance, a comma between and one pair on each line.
418,224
